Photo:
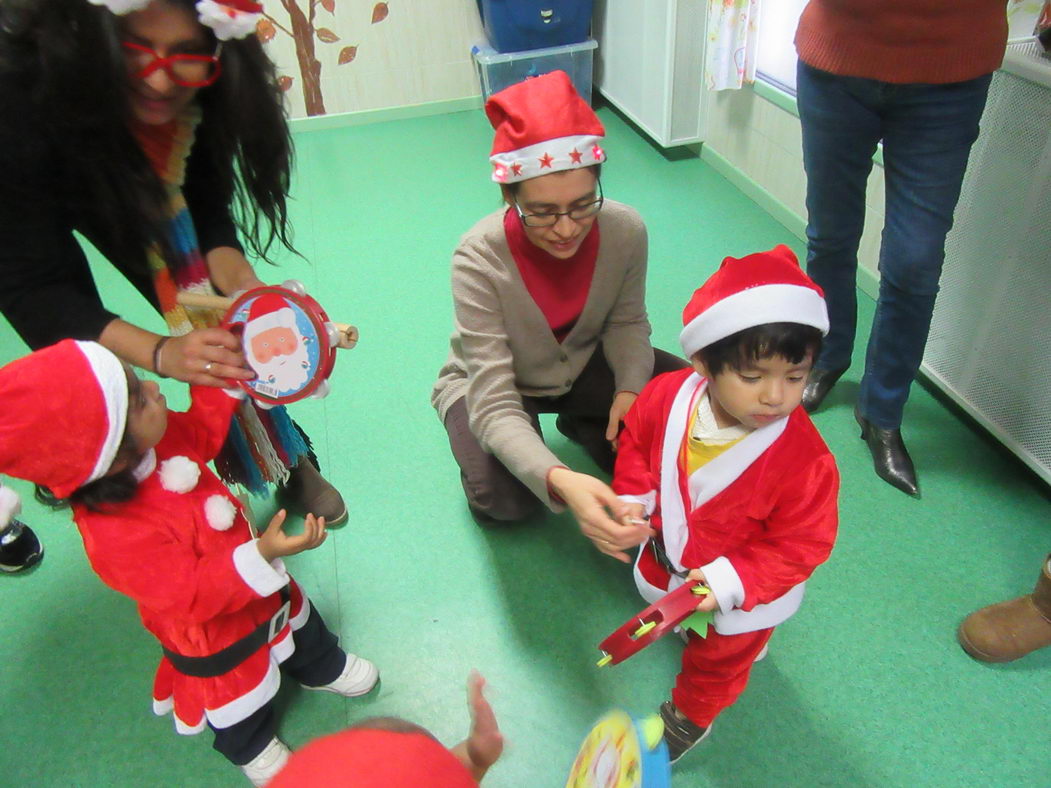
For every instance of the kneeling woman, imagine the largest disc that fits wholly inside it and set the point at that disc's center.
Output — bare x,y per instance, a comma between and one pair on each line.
550,318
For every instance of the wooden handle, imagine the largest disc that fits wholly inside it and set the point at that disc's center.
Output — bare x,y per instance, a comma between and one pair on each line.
348,335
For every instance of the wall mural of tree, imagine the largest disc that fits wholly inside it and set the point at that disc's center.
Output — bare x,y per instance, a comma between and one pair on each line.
303,28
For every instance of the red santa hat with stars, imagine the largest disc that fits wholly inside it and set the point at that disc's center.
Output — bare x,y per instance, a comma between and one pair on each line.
370,758
62,415
766,287
267,311
542,126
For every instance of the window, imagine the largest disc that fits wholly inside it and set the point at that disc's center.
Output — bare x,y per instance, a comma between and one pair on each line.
776,62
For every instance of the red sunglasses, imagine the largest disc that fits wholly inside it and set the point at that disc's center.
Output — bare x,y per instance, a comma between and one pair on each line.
190,71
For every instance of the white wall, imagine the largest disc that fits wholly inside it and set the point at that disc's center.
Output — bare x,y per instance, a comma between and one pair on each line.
419,53
763,141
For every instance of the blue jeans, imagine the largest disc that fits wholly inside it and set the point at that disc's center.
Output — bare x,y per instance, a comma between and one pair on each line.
927,132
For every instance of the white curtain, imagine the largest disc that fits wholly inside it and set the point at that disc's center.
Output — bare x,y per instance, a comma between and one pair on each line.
733,30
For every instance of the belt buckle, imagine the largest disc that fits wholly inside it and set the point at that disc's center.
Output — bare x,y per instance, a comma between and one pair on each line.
278,620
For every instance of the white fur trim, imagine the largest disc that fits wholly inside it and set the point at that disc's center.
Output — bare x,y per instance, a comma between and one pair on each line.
113,382
220,512
753,307
561,153
263,578
179,474
761,616
121,7
237,394
725,583
226,21
297,621
10,505
649,500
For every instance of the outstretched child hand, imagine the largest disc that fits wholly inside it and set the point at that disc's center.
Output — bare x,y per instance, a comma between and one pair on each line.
275,543
485,743
708,602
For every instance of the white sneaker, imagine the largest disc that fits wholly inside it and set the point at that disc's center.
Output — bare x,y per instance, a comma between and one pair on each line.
262,768
357,678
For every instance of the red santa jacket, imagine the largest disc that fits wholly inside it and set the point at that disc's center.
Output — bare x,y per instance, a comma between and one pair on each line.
183,550
757,520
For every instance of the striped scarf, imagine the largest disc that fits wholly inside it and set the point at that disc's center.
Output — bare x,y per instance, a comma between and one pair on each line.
262,444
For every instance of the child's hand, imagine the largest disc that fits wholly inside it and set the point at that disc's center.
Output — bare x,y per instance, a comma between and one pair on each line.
708,602
485,743
622,403
275,543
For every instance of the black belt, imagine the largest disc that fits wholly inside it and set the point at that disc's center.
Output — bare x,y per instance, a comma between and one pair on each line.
237,652
657,545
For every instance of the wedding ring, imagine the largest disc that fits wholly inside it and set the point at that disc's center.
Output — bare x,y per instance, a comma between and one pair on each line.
208,367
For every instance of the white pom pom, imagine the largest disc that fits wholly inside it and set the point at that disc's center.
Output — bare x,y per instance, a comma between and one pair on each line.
219,511
179,474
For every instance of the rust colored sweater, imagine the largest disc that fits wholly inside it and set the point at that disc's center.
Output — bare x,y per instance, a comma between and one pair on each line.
900,41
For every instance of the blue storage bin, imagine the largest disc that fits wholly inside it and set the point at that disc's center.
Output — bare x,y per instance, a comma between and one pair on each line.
518,25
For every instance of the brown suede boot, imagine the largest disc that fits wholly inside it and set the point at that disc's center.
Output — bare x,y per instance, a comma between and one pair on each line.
307,492
1008,630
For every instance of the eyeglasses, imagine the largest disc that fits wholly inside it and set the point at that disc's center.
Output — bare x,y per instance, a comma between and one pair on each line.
190,71
550,218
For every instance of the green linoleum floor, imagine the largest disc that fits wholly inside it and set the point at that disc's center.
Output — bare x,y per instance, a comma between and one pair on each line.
864,687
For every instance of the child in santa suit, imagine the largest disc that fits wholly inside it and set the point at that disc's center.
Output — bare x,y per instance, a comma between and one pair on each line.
734,478
161,528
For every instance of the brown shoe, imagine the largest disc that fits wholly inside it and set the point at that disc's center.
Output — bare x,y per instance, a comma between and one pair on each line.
1008,630
307,492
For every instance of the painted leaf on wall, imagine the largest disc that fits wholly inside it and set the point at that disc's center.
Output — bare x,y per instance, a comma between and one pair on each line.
265,30
379,12
329,5
347,54
284,83
327,35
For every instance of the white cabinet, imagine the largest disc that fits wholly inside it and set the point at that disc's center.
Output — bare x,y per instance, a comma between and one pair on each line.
990,341
650,65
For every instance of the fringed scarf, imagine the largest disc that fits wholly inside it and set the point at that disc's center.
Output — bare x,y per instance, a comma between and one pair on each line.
262,444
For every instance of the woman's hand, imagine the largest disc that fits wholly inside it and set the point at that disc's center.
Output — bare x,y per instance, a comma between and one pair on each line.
275,543
601,515
621,403
709,602
204,357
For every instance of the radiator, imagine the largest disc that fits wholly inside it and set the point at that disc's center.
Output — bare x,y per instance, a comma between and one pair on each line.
990,342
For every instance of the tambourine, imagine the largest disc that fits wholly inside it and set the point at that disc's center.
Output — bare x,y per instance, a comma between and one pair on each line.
287,338
621,752
651,624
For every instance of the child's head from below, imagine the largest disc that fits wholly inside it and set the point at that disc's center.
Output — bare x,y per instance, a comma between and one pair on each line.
77,422
754,330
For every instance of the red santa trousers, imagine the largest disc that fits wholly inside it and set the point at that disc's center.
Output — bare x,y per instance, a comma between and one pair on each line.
715,671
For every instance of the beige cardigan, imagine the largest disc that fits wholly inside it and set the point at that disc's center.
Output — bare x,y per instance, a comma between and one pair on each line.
502,347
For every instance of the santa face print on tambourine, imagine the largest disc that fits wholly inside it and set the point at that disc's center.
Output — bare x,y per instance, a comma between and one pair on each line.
621,752
288,342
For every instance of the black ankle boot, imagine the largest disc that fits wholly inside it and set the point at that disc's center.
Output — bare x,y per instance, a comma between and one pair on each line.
19,548
818,385
889,456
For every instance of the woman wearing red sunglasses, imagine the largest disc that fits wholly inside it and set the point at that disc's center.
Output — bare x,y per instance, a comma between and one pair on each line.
155,130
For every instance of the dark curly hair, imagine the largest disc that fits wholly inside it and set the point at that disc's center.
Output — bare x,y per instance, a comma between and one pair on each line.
68,52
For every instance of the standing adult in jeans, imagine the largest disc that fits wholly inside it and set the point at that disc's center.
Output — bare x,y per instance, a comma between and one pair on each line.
914,75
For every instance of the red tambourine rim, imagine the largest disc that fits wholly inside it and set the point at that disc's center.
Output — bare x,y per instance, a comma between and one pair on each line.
317,317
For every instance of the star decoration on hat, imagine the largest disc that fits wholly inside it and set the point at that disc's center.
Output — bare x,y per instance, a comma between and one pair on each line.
545,160
575,155
516,169
598,153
